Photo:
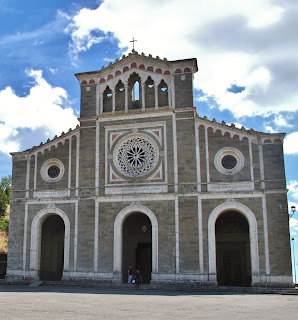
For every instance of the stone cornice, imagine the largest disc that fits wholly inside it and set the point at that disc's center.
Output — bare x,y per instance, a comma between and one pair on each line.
242,134
43,147
135,57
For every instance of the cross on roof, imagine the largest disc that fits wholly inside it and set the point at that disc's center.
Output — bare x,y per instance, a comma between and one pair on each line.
133,43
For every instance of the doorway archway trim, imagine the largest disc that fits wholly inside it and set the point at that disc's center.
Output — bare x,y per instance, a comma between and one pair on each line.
118,226
36,233
253,235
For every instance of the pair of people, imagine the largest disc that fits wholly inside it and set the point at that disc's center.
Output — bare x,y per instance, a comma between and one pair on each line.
137,277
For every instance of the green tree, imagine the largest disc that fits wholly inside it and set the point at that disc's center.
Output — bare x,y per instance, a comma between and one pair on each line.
5,187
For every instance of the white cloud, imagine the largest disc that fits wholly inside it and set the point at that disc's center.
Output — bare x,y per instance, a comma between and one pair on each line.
290,143
233,42
293,226
53,70
269,129
41,108
293,190
282,121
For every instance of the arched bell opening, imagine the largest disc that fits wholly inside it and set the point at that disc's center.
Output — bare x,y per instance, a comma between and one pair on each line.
233,259
120,97
149,93
163,94
137,246
52,248
134,87
107,100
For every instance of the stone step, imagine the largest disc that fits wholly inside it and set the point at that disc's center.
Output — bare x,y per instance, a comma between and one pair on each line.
174,287
36,283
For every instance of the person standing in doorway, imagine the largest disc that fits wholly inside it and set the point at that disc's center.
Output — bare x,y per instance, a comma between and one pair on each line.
129,273
138,278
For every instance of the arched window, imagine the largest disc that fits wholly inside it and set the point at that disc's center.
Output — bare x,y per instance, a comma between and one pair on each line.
120,96
107,100
149,93
163,96
136,91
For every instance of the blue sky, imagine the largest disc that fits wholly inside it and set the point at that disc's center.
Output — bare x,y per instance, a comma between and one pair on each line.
247,56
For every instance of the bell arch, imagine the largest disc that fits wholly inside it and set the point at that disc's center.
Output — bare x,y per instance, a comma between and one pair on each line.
149,93
253,236
107,100
135,90
120,96
163,94
118,230
36,237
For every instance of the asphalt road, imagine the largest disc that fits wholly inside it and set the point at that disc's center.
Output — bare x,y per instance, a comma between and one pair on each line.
80,303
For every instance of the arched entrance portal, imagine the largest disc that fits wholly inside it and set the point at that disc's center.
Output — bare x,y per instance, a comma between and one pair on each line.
52,248
232,250
137,245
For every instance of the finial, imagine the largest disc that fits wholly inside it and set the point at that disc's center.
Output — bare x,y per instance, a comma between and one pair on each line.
133,44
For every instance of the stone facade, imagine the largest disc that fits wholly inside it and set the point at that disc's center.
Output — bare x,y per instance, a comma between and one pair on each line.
141,149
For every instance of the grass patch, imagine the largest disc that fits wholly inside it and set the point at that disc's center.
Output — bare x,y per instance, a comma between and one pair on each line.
4,223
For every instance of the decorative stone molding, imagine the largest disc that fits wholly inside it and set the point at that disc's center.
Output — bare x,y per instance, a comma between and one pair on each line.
253,235
20,157
51,194
118,230
146,142
233,132
232,186
135,155
36,236
52,170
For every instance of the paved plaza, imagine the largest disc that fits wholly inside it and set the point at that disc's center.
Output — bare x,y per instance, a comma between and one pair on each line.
18,302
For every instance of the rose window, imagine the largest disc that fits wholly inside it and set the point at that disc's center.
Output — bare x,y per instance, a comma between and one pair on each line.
136,156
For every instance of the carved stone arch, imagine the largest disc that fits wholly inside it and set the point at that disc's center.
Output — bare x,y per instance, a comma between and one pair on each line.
253,235
134,98
120,96
150,92
163,93
107,100
36,236
118,230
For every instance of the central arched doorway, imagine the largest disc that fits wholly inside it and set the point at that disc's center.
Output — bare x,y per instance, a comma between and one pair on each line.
52,248
233,262
137,245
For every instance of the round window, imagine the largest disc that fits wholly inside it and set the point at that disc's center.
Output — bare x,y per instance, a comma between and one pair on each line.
136,155
229,160
52,170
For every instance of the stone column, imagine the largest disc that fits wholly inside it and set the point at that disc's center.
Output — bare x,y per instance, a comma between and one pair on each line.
126,97
101,103
143,97
113,100
156,96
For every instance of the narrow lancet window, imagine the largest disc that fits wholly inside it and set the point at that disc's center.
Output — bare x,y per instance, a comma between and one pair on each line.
136,91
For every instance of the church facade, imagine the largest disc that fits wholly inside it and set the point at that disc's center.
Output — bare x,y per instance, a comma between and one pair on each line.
145,181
